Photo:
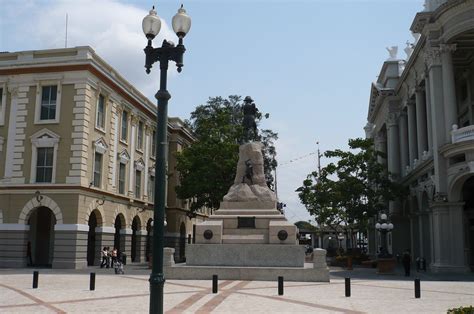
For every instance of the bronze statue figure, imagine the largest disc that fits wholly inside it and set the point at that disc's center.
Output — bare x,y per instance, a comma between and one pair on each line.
248,171
249,124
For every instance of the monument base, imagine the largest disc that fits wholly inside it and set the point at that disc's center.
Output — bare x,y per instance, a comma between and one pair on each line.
317,271
245,255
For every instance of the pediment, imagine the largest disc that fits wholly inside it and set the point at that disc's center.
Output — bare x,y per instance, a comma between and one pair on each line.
100,145
139,164
124,157
44,138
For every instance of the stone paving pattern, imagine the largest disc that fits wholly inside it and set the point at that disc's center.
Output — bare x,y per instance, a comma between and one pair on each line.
67,291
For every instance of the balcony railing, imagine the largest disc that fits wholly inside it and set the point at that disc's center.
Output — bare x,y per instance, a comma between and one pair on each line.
462,134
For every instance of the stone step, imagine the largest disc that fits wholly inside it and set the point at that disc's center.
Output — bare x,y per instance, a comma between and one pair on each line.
245,231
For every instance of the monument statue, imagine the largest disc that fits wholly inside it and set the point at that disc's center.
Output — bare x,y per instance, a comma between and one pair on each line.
248,171
250,126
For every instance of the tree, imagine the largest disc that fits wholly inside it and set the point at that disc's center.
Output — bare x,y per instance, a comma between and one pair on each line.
349,191
207,168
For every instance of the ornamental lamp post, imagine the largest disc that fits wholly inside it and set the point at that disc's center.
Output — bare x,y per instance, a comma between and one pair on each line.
384,227
167,52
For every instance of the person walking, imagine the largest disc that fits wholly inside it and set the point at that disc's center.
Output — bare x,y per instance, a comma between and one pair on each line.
114,257
406,260
103,255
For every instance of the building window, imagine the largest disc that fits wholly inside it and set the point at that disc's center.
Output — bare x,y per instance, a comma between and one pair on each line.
153,145
138,183
100,117
140,136
151,189
121,179
44,151
124,127
97,170
48,102
44,164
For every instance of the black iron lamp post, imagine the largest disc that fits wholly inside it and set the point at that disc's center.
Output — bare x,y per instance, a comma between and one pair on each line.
384,227
167,52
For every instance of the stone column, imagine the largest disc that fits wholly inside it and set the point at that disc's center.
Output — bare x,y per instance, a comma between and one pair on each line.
126,243
147,149
14,240
421,130
420,234
393,146
428,116
448,237
412,138
450,105
70,246
433,62
403,128
141,245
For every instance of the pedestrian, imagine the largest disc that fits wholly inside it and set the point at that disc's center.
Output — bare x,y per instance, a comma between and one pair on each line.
406,260
29,257
114,257
103,255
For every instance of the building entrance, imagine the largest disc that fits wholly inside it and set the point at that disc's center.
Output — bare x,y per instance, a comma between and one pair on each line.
91,249
41,237
468,197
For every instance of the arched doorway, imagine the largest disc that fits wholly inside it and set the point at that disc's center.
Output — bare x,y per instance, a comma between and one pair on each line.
118,224
468,198
92,250
182,242
41,237
149,237
135,254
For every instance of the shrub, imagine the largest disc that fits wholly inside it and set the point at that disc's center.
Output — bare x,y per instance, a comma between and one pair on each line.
462,310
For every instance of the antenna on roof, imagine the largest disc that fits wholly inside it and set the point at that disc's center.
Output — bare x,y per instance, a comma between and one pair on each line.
65,41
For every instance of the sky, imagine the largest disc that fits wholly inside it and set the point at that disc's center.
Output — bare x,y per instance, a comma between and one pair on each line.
309,63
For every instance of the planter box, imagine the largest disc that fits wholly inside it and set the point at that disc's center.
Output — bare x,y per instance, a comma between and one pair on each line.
386,265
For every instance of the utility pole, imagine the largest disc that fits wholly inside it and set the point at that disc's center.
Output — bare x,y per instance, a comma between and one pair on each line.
319,160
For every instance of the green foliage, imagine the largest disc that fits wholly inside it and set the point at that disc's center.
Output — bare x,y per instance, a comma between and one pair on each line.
462,310
207,168
352,189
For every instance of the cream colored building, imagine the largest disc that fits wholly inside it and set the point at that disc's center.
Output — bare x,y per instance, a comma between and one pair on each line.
421,114
77,162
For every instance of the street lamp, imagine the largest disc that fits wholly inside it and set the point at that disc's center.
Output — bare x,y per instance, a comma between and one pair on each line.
167,52
384,227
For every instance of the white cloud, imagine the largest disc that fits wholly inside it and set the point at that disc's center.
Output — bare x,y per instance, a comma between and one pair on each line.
111,28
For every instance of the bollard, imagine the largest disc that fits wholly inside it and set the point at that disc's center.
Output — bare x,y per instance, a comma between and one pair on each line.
214,283
35,279
417,289
92,282
348,287
280,285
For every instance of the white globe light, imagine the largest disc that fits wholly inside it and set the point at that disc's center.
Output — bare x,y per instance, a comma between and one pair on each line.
383,216
390,226
151,24
377,226
384,226
181,23
165,223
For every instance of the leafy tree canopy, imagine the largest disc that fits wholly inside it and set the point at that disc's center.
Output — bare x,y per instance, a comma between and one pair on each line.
207,167
352,189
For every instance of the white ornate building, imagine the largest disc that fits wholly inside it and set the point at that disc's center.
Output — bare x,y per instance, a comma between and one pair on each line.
77,162
421,114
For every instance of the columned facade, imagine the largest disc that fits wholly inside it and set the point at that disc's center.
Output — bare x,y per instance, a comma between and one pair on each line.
433,149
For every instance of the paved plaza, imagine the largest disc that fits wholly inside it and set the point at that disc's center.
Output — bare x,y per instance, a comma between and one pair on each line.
68,291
